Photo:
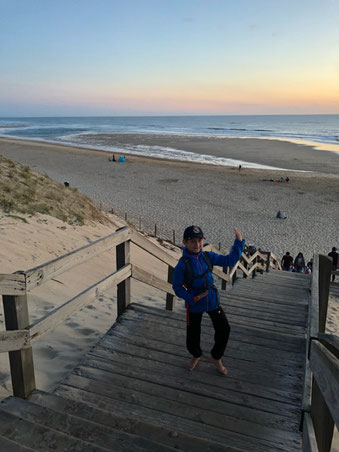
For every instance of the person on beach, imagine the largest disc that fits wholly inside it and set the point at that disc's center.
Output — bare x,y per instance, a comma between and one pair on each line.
287,262
299,263
334,256
193,281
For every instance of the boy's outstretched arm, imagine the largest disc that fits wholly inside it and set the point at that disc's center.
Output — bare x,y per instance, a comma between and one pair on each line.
232,258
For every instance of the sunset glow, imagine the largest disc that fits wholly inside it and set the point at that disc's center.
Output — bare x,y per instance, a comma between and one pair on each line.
148,57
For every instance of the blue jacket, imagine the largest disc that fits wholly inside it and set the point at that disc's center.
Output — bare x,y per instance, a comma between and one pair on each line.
211,301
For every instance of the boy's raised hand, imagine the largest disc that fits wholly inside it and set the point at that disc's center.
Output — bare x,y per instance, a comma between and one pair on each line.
238,234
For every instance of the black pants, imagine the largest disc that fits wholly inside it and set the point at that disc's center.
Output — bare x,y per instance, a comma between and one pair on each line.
221,333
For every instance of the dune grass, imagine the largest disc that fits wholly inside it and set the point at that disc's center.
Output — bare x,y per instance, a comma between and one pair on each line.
24,191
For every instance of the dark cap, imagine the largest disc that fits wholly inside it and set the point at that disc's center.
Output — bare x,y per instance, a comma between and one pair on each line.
193,231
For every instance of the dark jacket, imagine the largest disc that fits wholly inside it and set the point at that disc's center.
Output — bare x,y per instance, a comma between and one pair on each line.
211,301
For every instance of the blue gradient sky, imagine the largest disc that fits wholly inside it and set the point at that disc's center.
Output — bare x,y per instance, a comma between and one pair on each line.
128,57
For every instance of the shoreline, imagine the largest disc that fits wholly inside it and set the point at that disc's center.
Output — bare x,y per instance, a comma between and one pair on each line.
287,156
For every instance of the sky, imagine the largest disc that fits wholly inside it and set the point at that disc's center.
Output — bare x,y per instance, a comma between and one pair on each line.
168,57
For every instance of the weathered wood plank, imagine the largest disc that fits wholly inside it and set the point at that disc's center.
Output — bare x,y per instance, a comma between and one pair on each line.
14,340
244,334
314,307
58,315
309,443
39,437
153,249
21,361
265,325
81,429
235,350
43,273
126,423
268,306
177,368
177,356
325,368
123,258
166,409
251,422
331,342
245,339
12,284
147,278
96,395
12,446
170,302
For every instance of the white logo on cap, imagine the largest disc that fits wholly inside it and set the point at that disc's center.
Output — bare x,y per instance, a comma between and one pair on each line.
196,230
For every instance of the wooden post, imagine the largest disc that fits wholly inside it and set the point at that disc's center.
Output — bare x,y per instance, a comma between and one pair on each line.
245,265
219,246
234,277
139,223
112,211
223,283
155,230
170,297
124,288
21,361
325,268
254,271
322,419
125,216
173,237
268,261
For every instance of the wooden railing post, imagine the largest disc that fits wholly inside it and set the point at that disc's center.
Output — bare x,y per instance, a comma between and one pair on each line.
21,361
124,288
170,297
244,263
254,273
325,268
268,261
223,282
234,277
322,420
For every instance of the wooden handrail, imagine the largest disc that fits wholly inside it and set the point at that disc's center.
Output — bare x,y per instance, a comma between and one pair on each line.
12,284
147,278
325,368
54,318
11,341
43,273
320,403
151,248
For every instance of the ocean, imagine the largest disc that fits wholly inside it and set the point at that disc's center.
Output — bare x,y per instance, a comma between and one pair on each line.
319,130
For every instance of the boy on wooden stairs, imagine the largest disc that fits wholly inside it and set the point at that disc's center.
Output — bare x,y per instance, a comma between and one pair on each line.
193,281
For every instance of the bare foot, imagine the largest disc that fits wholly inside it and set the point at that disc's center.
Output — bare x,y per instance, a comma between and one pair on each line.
221,368
193,364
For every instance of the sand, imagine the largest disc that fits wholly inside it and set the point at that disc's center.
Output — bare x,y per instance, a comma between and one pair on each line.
26,245
175,194
170,193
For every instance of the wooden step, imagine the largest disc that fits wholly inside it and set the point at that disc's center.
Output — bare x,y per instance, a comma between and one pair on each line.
255,336
240,369
79,429
147,407
126,423
11,446
38,437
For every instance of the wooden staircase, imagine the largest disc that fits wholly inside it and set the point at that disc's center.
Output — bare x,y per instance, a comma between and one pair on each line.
132,390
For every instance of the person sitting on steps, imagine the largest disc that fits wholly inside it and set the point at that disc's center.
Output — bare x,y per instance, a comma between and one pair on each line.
193,282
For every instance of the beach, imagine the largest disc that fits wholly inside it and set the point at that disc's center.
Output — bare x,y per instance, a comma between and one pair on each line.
174,194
